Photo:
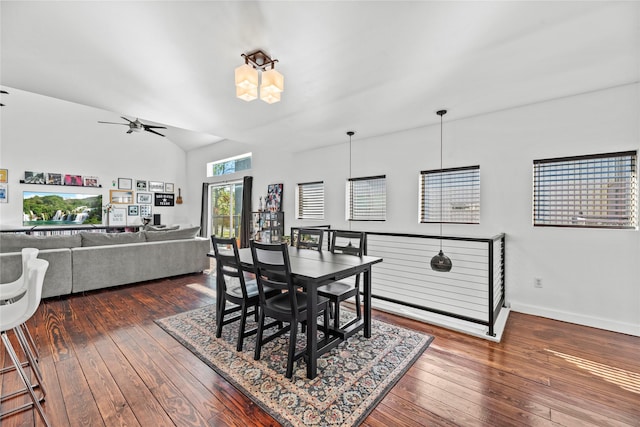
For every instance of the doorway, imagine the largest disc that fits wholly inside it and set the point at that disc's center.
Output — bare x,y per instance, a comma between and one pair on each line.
225,209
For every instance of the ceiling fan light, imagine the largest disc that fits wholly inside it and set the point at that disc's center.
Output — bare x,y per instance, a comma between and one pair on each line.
248,94
246,77
272,81
270,97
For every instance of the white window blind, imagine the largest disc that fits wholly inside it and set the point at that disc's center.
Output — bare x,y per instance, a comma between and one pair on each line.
450,195
366,198
586,191
310,200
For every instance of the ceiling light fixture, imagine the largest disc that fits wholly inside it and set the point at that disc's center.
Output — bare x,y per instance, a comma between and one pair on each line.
441,262
247,78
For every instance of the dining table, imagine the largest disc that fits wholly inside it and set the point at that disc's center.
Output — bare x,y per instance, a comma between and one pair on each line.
311,269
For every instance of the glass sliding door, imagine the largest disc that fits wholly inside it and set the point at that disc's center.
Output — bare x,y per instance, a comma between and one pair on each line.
225,209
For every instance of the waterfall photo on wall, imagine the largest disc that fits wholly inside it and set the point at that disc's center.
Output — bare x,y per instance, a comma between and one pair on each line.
40,208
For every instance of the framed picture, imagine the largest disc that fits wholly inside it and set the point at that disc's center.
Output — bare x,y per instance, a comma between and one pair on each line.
121,197
141,185
54,178
168,187
73,180
274,197
145,211
34,177
4,176
144,198
156,186
125,184
164,199
118,216
91,181
134,210
4,192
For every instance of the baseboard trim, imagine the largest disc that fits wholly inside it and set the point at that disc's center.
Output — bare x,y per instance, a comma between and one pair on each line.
580,319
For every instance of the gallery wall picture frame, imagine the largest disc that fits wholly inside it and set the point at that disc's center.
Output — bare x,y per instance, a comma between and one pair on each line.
91,181
31,177
146,211
141,185
125,184
53,178
118,216
75,180
168,187
121,197
156,186
4,176
164,199
144,198
134,210
4,192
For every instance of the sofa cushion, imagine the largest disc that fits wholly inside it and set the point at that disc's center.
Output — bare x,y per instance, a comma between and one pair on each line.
183,233
103,239
154,228
12,242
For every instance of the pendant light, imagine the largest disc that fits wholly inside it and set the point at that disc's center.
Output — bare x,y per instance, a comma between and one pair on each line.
441,262
350,133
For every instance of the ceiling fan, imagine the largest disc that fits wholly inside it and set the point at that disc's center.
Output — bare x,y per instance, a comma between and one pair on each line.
137,126
4,92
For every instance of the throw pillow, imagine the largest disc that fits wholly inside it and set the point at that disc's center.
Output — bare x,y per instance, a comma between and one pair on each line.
180,234
14,242
104,239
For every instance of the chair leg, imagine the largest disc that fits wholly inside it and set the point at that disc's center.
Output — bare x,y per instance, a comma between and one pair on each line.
243,323
336,316
358,310
256,351
22,340
220,315
24,377
293,333
32,343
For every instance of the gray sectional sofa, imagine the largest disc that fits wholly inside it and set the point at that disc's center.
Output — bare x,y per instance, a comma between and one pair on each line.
86,261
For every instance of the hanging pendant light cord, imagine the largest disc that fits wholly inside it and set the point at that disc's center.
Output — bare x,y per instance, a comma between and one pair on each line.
350,133
441,177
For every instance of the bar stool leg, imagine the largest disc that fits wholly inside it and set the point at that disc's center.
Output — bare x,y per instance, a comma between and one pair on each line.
24,378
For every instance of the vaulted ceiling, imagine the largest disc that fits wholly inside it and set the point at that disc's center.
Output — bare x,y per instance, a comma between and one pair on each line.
373,66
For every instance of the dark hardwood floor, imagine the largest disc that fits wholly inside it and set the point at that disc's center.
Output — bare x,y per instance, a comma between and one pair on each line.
106,363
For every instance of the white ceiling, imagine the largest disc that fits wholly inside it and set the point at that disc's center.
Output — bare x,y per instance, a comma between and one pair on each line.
372,66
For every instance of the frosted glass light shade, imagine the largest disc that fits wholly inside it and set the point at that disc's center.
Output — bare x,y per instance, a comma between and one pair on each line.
269,97
247,94
246,77
272,81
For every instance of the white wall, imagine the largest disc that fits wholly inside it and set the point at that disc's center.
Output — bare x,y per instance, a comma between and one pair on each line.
589,276
40,133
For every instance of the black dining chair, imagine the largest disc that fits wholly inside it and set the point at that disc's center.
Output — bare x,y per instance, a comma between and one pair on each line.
236,289
272,261
349,243
310,238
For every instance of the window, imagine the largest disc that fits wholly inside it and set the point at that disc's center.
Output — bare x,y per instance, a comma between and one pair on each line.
310,200
367,198
586,191
230,165
450,195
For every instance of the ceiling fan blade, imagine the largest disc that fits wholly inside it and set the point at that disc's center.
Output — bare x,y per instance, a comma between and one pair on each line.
4,91
153,131
113,123
129,131
124,118
153,127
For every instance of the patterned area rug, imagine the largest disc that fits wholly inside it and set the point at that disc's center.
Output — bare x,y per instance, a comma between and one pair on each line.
352,378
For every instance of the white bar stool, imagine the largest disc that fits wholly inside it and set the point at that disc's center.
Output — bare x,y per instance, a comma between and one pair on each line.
12,316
